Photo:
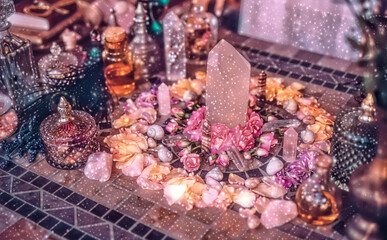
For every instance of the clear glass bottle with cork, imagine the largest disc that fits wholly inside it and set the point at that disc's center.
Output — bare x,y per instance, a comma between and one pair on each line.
118,64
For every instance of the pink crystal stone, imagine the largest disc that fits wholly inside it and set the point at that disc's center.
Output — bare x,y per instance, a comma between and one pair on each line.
99,166
290,145
164,99
278,212
227,86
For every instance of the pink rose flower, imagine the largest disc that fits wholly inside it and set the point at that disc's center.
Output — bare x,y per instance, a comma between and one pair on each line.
195,124
261,152
242,138
223,160
190,105
247,155
147,99
183,152
191,162
268,141
252,101
220,138
182,144
255,123
177,112
172,127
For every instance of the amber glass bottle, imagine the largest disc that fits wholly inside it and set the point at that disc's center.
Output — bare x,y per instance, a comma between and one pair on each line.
318,200
117,58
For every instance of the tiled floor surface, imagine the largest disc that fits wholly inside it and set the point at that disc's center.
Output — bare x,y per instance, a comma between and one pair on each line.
41,202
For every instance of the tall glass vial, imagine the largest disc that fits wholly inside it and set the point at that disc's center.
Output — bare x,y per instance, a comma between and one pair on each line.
318,200
18,70
117,59
201,32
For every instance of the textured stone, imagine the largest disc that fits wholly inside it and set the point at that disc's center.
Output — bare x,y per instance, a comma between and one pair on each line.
99,166
278,212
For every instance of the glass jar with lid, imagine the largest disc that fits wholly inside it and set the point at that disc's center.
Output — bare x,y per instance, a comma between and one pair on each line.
69,137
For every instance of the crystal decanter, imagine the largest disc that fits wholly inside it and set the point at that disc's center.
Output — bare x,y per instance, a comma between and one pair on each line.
18,70
69,137
318,200
201,32
146,52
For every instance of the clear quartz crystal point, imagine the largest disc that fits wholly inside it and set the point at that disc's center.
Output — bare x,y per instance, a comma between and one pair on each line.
283,123
227,87
290,145
174,47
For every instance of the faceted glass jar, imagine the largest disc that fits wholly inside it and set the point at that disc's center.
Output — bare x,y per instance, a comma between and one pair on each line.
201,30
117,59
69,143
318,200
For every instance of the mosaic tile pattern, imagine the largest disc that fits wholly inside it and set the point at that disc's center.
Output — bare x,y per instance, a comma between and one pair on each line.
57,204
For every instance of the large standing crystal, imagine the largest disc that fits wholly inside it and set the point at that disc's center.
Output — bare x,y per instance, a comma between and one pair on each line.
164,99
290,145
227,87
174,47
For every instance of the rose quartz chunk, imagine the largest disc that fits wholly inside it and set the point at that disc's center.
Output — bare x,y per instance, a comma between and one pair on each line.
99,166
278,212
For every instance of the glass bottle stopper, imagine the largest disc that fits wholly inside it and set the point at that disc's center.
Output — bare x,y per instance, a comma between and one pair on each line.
368,107
55,50
112,21
70,39
64,109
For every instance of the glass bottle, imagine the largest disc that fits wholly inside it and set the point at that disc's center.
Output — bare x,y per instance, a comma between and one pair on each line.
201,32
117,59
318,200
18,72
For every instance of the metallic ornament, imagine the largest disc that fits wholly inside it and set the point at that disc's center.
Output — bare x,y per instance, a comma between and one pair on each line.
261,90
206,137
